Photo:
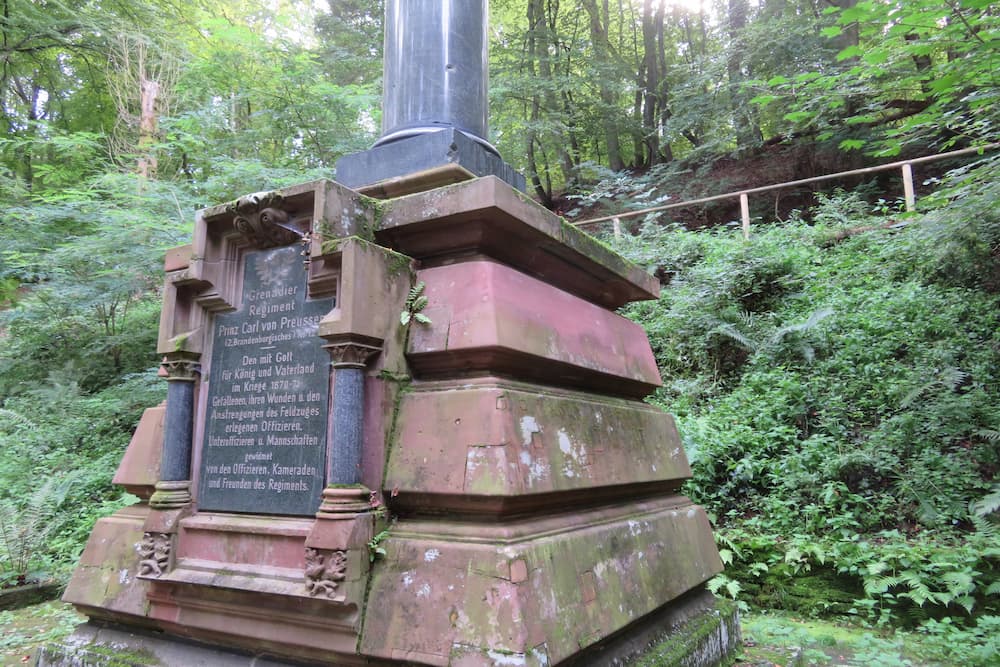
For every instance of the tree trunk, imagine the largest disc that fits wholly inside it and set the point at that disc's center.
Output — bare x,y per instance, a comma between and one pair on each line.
602,55
747,131
148,126
535,26
653,102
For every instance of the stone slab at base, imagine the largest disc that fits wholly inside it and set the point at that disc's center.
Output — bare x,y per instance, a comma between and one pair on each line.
695,630
93,645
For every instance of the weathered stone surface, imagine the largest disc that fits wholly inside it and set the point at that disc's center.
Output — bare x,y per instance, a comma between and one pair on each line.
694,630
498,447
373,289
242,581
139,469
488,217
99,646
541,588
105,583
264,448
488,317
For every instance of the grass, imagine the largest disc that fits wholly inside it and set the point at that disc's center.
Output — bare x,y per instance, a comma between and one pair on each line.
775,638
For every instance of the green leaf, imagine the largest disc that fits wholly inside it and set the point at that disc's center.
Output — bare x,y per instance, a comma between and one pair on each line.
850,52
851,144
777,80
876,56
831,31
798,116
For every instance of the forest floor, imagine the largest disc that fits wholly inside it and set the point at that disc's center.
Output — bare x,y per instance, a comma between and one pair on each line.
770,639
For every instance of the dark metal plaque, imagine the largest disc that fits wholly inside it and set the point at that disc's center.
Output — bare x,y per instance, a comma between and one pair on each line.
264,446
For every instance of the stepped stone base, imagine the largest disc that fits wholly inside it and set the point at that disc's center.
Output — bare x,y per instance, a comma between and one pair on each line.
693,631
517,502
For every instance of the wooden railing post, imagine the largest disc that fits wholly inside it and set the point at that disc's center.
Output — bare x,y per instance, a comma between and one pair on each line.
745,214
905,165
908,196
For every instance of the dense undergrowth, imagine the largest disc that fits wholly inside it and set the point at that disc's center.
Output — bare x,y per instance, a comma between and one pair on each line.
837,383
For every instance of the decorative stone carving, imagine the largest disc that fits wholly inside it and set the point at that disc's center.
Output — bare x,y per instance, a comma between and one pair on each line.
351,354
154,554
324,571
181,369
260,218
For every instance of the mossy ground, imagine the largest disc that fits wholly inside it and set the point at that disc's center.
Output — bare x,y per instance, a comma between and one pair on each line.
23,631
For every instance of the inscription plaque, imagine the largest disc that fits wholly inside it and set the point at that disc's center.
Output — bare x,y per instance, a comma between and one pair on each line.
265,435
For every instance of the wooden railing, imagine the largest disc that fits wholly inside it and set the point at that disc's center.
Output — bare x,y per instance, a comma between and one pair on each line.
905,166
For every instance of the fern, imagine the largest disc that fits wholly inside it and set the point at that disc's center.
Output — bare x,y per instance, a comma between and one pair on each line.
16,418
947,379
24,531
988,504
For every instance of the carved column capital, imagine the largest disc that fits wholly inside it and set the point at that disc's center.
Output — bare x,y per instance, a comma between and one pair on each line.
351,354
184,368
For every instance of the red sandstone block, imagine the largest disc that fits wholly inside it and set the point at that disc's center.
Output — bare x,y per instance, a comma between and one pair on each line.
489,317
177,258
493,446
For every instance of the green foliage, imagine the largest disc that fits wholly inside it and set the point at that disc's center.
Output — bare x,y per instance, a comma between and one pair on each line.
917,71
416,301
25,530
836,385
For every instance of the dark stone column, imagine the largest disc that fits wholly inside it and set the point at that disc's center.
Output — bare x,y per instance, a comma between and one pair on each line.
174,488
349,361
435,103
435,69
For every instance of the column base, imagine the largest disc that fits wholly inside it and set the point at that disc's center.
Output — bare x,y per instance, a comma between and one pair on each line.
420,163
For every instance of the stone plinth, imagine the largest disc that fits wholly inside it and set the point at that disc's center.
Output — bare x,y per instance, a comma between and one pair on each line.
524,504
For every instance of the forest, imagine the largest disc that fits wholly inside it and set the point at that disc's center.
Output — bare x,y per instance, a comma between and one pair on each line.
836,377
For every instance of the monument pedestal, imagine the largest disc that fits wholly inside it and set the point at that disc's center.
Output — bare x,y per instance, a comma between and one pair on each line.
525,505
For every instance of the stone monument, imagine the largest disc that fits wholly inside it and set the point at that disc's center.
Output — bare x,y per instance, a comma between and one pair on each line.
404,423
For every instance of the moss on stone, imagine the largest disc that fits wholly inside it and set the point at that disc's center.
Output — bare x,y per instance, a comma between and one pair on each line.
378,208
679,647
102,655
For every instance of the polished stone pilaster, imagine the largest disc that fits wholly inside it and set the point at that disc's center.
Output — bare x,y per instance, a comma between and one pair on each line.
349,361
173,490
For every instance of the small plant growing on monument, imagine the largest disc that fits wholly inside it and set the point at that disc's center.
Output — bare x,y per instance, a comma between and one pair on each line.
375,550
416,301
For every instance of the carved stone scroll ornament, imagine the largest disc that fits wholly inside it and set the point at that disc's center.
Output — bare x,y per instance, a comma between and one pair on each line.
324,571
260,218
154,554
